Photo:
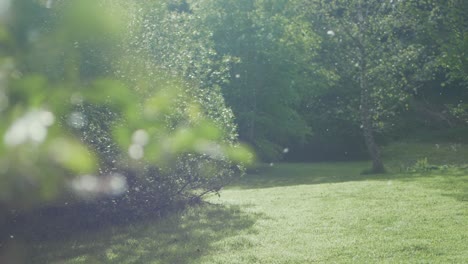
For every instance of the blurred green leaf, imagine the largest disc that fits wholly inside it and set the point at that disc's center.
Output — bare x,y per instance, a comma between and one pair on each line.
32,89
110,92
208,130
123,136
91,20
182,140
240,154
73,155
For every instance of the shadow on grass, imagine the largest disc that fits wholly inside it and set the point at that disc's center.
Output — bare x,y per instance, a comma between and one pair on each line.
453,181
291,174
178,238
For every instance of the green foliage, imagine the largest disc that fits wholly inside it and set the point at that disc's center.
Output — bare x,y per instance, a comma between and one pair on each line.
425,156
376,40
401,53
447,25
75,106
273,47
421,165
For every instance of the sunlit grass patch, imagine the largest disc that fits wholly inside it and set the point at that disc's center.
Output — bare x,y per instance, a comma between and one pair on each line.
394,218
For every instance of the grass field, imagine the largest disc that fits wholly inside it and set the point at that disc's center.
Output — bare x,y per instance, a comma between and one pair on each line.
297,213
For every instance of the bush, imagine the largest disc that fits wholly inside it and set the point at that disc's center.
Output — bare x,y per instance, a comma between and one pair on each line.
96,117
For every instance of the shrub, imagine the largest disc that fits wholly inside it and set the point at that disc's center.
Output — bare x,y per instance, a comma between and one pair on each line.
98,117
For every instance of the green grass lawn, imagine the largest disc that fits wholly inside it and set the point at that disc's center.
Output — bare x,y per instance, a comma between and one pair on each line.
297,213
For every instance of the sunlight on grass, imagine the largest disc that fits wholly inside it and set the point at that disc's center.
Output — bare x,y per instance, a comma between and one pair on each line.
357,220
298,213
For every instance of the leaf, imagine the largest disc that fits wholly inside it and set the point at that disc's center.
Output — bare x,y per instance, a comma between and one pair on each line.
72,155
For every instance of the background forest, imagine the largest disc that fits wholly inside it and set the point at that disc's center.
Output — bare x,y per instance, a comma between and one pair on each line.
129,108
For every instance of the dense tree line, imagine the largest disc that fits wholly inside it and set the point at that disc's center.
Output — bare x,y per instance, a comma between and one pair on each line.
312,73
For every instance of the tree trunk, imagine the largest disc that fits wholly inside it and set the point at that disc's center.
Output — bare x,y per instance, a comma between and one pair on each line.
366,120
365,111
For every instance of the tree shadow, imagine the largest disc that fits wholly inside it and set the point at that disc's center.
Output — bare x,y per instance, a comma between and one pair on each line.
453,182
56,223
291,174
177,238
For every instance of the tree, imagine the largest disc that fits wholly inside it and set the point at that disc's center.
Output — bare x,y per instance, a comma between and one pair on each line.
448,25
445,38
370,47
274,49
